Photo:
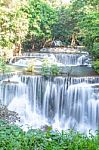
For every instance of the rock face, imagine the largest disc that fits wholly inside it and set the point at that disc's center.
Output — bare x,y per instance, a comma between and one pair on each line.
9,116
60,50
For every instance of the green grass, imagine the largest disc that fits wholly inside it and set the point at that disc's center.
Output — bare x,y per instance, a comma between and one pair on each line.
14,138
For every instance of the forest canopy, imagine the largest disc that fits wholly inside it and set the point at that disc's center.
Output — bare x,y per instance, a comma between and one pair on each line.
31,24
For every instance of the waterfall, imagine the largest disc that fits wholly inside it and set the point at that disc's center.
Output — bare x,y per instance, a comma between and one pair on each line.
63,58
56,101
68,59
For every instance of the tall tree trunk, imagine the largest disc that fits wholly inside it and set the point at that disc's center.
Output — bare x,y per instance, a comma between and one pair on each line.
73,41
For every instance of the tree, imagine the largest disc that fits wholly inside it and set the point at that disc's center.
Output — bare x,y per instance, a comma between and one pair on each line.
87,14
66,25
13,22
41,19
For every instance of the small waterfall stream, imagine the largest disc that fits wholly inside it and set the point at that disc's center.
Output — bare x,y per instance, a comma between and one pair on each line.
60,102
62,58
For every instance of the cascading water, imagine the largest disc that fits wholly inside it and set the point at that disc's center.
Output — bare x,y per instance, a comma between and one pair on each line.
60,102
73,59
59,58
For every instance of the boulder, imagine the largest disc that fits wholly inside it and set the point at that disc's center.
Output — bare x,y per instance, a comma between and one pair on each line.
7,115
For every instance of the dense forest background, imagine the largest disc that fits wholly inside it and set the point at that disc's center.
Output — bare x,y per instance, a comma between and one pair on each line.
32,24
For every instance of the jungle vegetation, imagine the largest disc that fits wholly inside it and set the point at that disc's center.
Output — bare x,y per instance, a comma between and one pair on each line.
31,24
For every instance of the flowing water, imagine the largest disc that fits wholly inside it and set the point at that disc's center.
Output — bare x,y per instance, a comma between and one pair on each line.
62,59
61,102
76,64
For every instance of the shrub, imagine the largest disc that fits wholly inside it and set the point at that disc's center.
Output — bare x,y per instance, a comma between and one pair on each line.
31,66
14,138
96,65
3,67
95,50
49,68
54,70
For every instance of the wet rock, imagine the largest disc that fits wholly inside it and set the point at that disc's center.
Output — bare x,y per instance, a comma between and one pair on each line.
46,128
8,81
60,50
9,116
57,43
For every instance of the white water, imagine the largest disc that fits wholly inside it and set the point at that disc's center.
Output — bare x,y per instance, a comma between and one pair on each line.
28,117
36,60
73,59
60,59
54,102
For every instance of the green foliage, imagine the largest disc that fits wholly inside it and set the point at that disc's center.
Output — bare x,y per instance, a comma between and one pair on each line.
49,68
96,65
33,23
87,14
95,50
45,70
54,70
12,137
3,67
65,25
30,69
89,26
47,23
13,22
41,19
31,66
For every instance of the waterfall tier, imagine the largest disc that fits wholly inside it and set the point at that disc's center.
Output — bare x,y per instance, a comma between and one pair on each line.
60,101
62,59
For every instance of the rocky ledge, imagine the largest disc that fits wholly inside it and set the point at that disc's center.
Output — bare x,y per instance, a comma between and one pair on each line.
68,50
7,115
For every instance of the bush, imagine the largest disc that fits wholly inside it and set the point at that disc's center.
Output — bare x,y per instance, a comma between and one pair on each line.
95,50
14,138
3,67
54,70
96,65
49,68
31,66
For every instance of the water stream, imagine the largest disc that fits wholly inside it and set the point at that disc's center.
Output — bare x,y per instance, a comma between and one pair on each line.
60,102
62,59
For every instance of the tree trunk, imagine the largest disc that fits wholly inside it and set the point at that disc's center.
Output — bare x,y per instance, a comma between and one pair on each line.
73,41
